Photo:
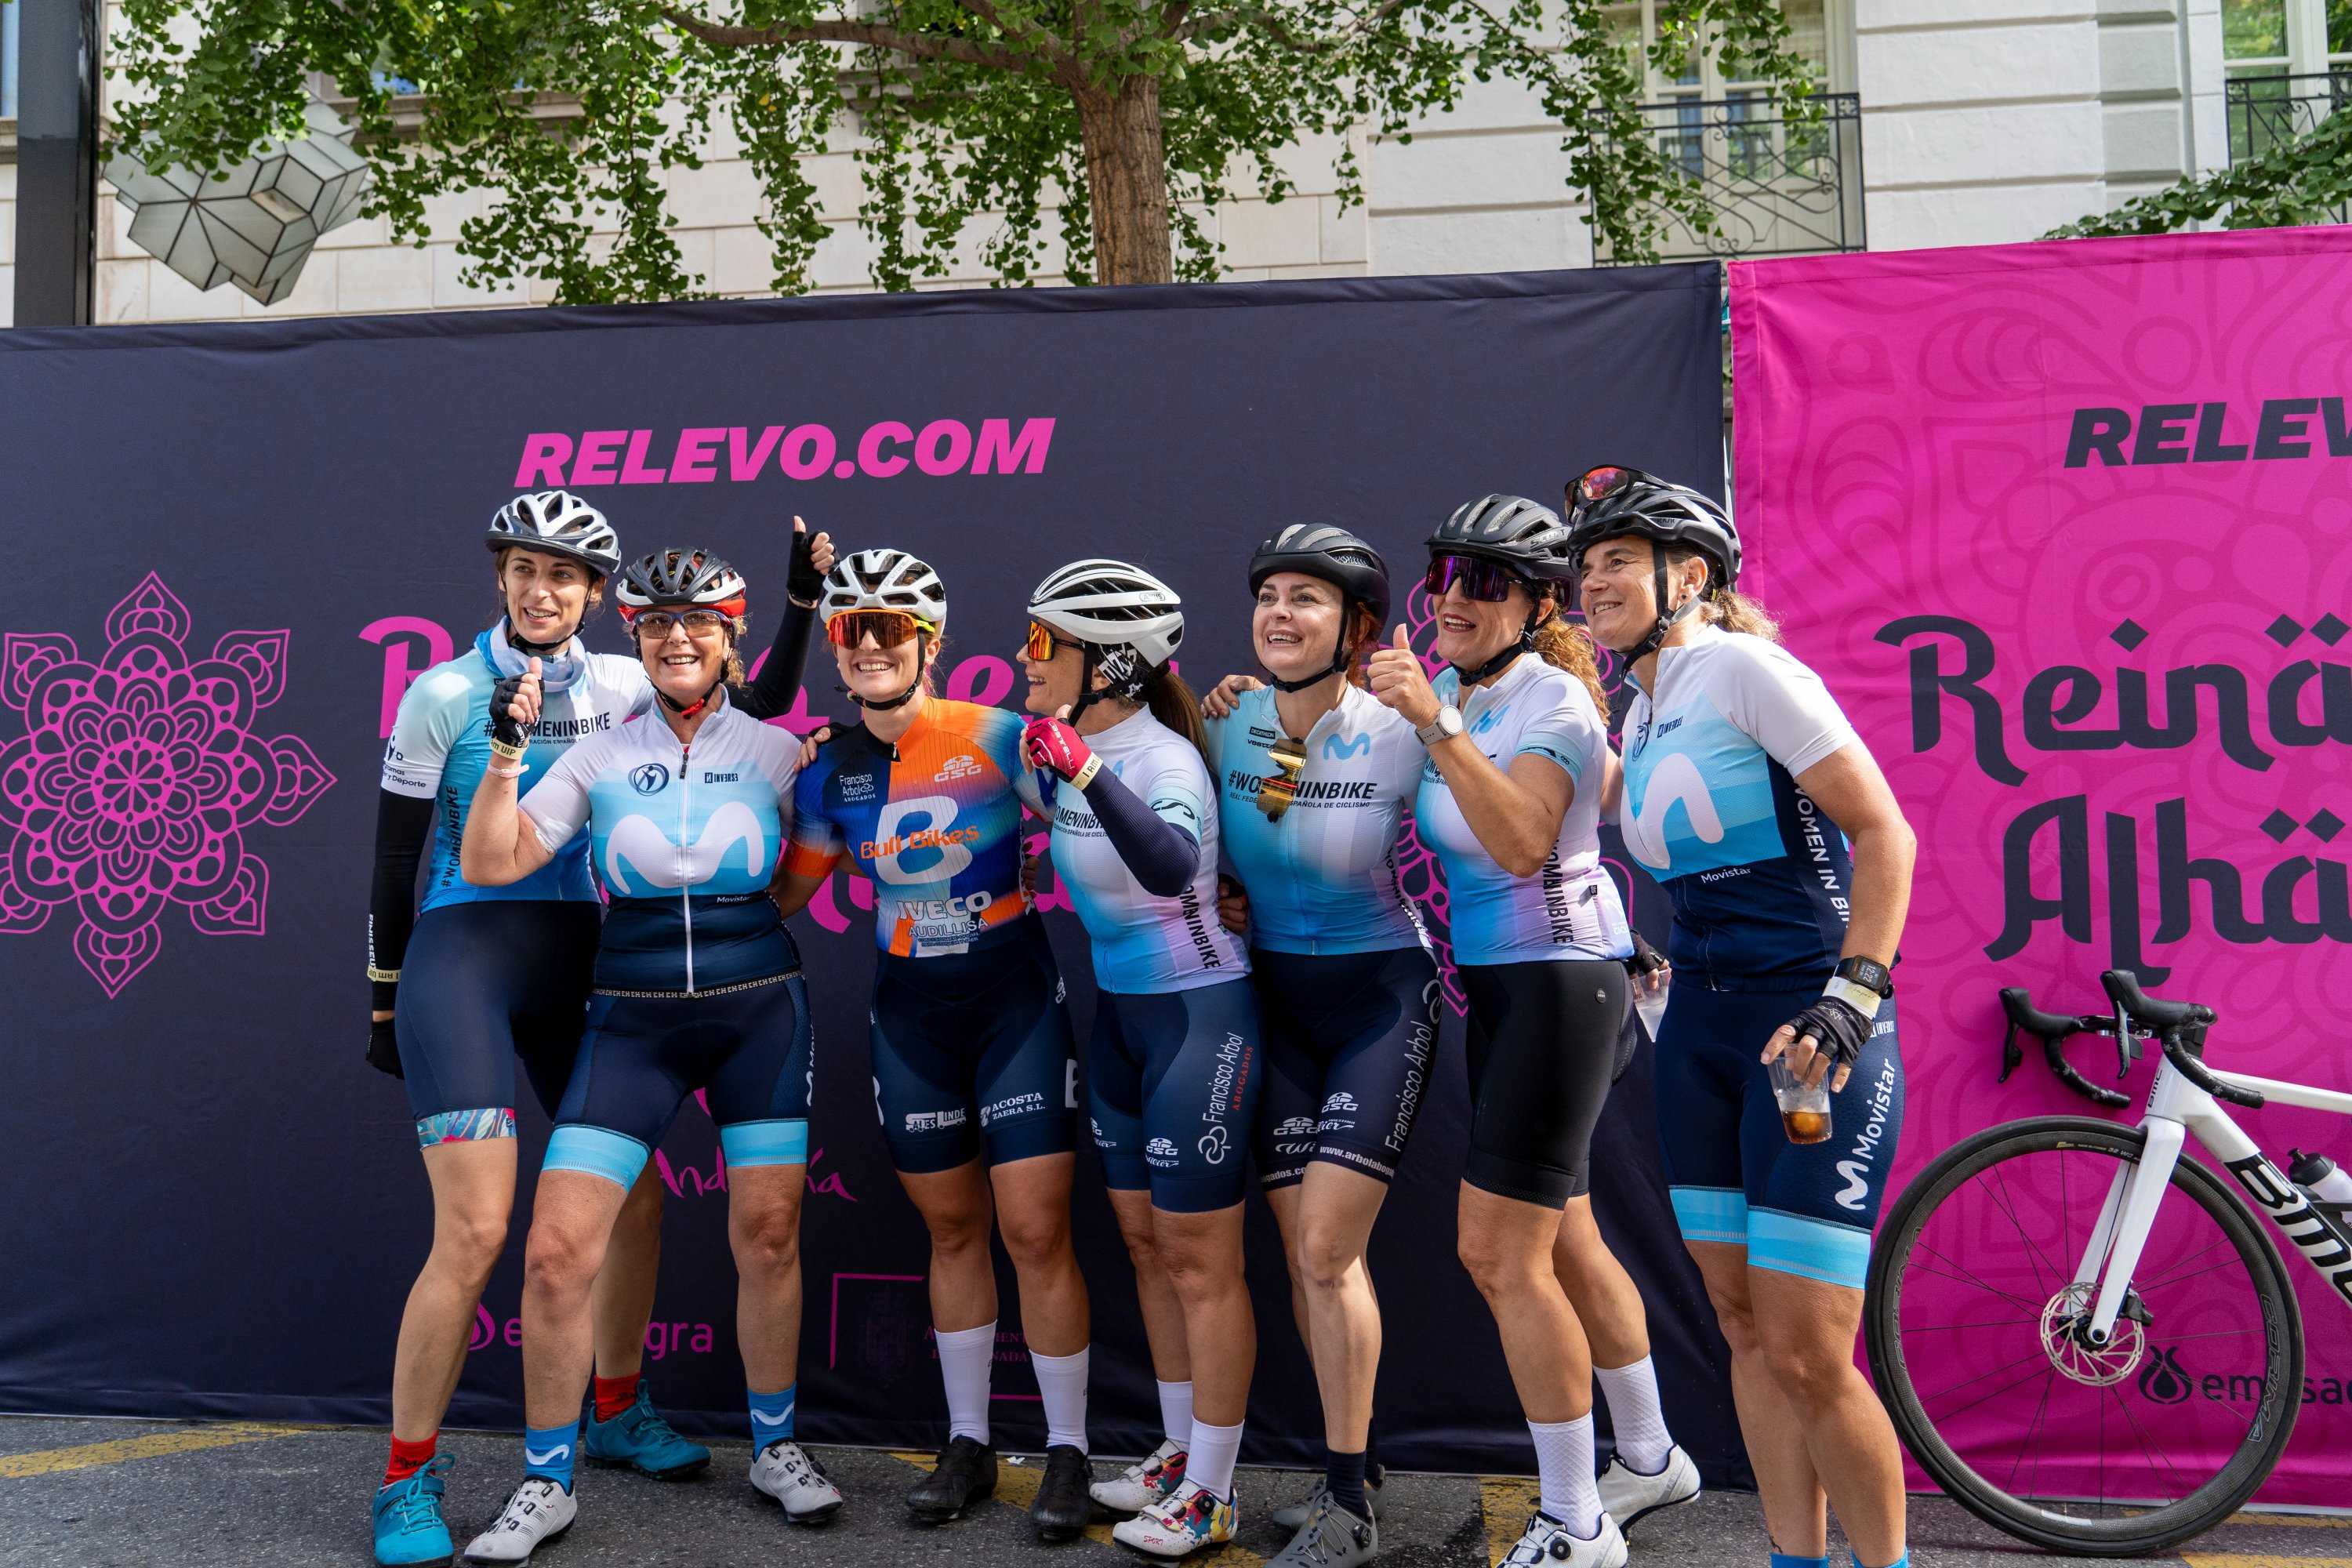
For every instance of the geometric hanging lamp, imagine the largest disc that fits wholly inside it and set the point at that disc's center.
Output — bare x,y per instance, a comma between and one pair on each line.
255,224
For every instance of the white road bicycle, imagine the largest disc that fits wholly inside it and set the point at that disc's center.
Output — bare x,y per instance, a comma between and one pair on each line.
2081,1332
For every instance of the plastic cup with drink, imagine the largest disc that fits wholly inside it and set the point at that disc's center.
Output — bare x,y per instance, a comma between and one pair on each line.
1804,1108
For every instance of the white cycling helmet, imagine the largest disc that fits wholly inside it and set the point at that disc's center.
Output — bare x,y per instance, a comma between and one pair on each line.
559,523
1129,622
886,580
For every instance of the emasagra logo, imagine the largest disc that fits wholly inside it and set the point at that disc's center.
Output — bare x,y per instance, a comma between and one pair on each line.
136,779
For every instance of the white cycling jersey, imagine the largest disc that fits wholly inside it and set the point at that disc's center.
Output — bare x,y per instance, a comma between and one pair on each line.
1144,944
1569,908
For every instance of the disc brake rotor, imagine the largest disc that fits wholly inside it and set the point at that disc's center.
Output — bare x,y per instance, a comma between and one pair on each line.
2065,1316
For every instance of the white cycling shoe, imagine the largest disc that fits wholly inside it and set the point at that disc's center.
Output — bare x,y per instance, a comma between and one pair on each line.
539,1512
1155,1476
786,1472
1549,1543
1626,1494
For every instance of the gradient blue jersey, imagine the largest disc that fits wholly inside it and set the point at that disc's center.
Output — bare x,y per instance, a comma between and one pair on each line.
686,839
1570,909
439,748
1323,878
1757,875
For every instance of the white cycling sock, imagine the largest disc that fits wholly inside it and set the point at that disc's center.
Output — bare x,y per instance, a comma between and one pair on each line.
965,1357
1176,1412
1635,1416
1062,1383
1564,1470
1211,1460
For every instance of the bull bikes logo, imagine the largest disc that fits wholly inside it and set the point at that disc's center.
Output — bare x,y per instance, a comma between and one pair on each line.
138,777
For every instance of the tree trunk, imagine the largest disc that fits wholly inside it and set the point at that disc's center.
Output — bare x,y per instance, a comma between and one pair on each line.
1127,183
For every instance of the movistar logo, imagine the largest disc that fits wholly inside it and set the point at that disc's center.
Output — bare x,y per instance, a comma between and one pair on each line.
762,1418
1676,779
1333,747
1857,1183
532,1456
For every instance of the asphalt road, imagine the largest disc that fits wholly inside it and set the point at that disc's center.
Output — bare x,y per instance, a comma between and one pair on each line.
239,1494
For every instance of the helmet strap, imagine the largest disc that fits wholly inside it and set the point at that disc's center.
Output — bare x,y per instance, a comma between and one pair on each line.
688,709
1526,643
923,663
536,649
1086,692
1667,619
1338,665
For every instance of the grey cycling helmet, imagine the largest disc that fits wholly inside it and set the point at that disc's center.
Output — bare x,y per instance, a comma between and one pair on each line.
1614,502
1324,550
1129,621
557,523
1525,536
681,579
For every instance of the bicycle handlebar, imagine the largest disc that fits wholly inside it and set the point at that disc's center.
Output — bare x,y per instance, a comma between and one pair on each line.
2177,1027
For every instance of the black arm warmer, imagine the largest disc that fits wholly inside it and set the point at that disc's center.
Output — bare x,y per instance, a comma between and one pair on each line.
779,680
1162,856
403,825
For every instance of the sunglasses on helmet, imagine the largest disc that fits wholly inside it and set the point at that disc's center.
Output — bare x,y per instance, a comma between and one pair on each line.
888,628
1488,581
1595,485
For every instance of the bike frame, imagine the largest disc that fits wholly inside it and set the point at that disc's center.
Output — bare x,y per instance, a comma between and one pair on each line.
2178,1109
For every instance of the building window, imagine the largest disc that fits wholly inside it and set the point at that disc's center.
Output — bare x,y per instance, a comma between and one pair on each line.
2289,64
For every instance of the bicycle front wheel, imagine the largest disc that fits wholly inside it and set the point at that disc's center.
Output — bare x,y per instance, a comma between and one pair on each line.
1975,1329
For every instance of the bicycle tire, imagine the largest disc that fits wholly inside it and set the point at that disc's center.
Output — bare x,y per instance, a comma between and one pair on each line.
2158,1529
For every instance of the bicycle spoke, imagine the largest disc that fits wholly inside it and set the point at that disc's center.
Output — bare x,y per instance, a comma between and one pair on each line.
1945,1328
2174,1470
2009,1208
2018,1301
2037,1356
2189,1274
2040,1410
2148,1285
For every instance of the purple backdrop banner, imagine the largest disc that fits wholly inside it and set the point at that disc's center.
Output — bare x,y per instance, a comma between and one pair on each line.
235,547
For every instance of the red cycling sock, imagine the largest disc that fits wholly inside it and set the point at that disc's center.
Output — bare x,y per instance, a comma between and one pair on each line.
407,1459
614,1394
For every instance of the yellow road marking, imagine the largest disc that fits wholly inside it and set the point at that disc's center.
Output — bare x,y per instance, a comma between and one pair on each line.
2259,1560
84,1456
1016,1486
1505,1502
2293,1521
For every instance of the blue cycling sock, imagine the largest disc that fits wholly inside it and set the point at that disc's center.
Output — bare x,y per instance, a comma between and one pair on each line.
1901,1561
1790,1560
549,1452
771,1416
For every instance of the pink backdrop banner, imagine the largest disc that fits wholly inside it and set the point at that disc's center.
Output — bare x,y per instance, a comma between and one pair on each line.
2067,528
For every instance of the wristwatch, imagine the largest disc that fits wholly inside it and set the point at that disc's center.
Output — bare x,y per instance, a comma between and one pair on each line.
1444,727
1862,984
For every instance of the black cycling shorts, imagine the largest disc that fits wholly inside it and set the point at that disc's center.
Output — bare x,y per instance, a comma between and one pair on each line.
1171,1083
483,984
973,1048
1543,1040
1350,1040
747,1047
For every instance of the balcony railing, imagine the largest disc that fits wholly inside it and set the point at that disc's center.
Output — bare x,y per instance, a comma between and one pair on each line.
2264,111
1775,187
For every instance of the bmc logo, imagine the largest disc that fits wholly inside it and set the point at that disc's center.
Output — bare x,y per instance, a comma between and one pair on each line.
648,778
1334,747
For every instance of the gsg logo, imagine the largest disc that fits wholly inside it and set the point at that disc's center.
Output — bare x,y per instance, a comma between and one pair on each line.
649,778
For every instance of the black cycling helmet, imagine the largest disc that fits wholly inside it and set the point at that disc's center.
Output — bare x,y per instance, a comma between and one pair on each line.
1331,553
1525,535
1614,502
557,523
681,579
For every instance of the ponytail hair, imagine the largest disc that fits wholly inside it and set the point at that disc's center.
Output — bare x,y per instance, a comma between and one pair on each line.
1564,645
1727,608
1172,703
1361,636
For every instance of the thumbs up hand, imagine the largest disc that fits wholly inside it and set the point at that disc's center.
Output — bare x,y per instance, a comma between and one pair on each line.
1398,682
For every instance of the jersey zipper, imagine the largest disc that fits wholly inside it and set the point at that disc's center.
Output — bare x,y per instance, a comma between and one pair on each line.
686,893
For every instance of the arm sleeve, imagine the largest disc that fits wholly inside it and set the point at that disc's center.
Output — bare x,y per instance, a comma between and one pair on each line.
772,690
816,843
1785,707
404,824
1159,841
557,804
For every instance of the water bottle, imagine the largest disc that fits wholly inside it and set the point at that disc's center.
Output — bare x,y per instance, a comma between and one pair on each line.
2320,1176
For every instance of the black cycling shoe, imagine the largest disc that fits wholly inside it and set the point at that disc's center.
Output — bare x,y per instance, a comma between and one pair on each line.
965,1474
1062,1509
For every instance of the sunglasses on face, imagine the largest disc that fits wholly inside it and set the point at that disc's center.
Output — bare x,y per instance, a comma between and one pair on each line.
1279,788
1488,581
888,628
700,624
1042,645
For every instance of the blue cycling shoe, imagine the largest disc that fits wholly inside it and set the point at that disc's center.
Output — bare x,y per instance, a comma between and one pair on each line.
408,1526
639,1439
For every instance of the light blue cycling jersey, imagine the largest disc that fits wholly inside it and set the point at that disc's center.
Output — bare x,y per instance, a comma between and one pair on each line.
1144,944
439,748
1323,878
686,838
1570,909
1757,875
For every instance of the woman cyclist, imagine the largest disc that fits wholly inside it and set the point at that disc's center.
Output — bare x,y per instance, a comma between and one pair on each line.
697,987
1740,773
975,1072
457,1029
1314,776
1171,1065
1510,802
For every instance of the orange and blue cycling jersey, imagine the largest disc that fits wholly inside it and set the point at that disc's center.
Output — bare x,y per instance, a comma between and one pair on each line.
933,820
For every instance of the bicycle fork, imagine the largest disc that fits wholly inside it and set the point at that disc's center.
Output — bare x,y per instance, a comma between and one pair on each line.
2112,1258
